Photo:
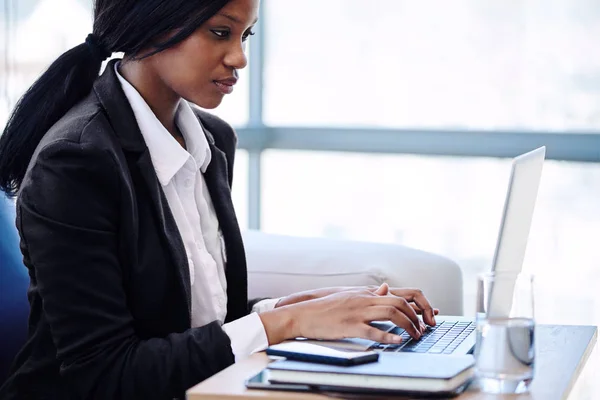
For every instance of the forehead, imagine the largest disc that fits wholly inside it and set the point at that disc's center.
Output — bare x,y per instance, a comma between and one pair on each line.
243,12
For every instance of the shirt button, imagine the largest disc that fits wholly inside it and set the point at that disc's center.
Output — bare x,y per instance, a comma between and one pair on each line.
188,183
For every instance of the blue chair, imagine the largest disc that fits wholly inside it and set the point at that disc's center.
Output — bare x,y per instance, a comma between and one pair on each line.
14,281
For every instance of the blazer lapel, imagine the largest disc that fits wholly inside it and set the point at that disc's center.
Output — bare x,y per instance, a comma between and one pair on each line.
235,271
167,224
109,92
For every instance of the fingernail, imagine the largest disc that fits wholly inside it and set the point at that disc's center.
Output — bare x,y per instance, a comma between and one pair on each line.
397,339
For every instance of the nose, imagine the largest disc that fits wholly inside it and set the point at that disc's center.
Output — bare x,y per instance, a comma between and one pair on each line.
236,56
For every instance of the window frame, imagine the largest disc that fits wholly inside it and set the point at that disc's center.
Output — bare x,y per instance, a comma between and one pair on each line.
255,137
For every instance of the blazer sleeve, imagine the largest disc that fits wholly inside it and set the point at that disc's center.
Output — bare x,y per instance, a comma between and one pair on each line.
68,217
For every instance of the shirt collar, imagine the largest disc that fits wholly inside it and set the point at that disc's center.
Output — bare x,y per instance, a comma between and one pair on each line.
167,155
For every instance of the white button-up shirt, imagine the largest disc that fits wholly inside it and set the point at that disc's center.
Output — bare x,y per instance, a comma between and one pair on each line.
180,172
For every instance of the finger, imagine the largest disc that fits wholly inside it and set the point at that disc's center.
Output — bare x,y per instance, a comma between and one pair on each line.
401,304
391,313
382,290
415,307
419,298
376,335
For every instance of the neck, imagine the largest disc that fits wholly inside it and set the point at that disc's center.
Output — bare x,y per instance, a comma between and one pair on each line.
160,98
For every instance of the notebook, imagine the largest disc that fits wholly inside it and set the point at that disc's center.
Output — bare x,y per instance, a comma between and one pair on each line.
402,372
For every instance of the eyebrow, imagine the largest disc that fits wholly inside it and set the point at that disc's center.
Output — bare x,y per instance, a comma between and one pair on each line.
234,19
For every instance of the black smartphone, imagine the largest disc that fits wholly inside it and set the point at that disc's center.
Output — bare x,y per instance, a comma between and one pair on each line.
308,352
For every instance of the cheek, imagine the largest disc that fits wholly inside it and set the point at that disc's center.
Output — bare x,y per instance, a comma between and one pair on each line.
189,70
188,75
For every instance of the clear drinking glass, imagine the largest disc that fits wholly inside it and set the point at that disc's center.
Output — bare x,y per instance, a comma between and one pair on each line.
505,350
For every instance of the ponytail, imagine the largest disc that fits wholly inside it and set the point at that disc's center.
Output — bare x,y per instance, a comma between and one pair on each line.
67,81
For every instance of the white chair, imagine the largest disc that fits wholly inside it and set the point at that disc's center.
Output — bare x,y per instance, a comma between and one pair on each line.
279,265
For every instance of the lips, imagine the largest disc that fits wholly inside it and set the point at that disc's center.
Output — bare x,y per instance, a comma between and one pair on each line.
225,85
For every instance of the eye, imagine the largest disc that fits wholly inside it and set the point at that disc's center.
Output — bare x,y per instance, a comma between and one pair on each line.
247,34
221,33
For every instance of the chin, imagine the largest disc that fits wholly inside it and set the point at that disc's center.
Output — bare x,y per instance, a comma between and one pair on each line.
210,103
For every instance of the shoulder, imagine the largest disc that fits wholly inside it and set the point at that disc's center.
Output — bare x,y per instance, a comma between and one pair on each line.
74,177
85,123
83,131
80,147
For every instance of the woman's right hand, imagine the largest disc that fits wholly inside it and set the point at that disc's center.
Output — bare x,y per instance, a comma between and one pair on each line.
343,315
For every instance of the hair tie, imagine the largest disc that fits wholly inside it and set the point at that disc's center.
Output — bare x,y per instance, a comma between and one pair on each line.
99,52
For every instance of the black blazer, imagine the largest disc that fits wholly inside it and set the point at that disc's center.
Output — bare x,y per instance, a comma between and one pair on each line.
110,286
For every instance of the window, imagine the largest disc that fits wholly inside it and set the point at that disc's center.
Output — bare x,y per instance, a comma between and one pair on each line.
460,64
35,33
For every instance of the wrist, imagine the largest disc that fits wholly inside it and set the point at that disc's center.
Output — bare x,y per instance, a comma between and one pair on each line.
279,324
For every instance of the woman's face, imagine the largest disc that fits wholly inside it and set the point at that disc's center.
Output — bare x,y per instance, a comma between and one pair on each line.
203,68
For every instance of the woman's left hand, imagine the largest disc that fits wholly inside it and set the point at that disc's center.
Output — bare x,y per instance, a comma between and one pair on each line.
415,297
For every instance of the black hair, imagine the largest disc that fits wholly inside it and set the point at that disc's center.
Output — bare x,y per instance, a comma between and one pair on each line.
138,28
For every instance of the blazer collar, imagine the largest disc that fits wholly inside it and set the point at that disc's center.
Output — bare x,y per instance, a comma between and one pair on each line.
120,114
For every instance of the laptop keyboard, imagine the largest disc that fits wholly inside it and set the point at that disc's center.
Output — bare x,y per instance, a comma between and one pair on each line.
443,338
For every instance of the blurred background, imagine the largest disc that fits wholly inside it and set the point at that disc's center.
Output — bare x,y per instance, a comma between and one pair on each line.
395,121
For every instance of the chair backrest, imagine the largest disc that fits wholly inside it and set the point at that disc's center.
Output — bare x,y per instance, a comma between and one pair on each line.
14,280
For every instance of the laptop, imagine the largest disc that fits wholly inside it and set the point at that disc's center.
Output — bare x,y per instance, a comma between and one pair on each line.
456,335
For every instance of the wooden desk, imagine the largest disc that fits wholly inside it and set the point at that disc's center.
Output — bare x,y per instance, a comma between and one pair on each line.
562,351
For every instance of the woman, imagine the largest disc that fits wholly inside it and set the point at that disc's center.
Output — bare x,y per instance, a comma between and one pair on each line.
138,276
